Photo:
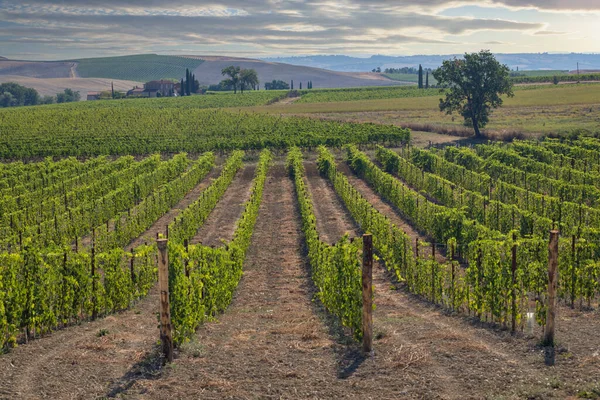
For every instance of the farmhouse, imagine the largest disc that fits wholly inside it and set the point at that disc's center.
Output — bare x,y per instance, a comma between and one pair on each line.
137,92
164,87
93,95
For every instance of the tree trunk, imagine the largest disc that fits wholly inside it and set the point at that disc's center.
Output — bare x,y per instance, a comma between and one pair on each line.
476,128
475,121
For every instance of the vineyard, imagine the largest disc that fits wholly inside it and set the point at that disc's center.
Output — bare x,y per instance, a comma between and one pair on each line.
99,129
140,68
244,201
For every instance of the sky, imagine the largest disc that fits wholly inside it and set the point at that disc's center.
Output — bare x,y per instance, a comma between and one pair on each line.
66,29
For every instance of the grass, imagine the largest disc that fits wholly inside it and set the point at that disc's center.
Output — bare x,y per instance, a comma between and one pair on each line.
535,110
542,73
414,78
141,68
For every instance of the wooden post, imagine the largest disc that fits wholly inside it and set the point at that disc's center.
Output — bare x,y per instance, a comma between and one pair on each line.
552,282
93,272
433,272
514,282
367,293
417,248
165,308
573,271
187,249
453,273
131,266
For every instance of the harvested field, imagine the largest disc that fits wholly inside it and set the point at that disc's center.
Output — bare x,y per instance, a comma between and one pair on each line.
52,86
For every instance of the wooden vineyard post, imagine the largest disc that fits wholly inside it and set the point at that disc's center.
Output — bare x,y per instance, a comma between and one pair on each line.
166,337
513,327
552,283
131,266
93,273
367,293
433,272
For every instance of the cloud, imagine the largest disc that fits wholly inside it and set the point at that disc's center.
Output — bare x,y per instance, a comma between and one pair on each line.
251,26
559,5
540,33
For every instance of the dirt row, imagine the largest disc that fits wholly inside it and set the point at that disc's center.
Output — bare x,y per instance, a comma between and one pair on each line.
221,223
390,212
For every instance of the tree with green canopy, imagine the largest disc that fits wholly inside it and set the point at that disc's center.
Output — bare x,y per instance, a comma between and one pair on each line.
234,77
474,86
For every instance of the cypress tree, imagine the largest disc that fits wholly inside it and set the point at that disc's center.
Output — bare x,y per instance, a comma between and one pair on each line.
420,77
427,80
292,84
300,85
181,89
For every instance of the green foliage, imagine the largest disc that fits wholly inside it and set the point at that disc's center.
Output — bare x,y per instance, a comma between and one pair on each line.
336,270
368,93
550,76
68,96
490,213
170,125
141,68
475,85
13,95
202,279
52,287
189,220
277,85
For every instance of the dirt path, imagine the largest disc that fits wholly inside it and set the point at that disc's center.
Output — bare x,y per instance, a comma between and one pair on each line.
331,224
160,226
94,358
221,223
269,344
388,210
73,71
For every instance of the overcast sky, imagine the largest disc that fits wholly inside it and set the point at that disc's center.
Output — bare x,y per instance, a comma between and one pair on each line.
54,29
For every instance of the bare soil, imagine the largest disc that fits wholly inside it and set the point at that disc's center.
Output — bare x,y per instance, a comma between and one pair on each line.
389,211
160,226
221,223
324,200
209,72
85,361
50,86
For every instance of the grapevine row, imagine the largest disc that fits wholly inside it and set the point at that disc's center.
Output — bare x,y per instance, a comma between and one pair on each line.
336,269
202,279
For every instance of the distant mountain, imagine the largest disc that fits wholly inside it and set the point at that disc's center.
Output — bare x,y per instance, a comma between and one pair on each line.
523,61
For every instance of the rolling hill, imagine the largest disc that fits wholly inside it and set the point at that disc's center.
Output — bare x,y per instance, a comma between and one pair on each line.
209,72
52,86
142,68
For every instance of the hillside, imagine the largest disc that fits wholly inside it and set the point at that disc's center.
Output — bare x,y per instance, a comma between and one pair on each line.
143,67
209,72
37,69
52,86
